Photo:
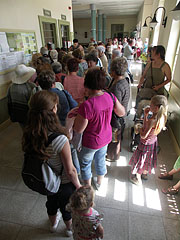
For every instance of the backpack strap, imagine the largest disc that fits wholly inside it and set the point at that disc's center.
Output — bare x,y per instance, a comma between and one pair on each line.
51,137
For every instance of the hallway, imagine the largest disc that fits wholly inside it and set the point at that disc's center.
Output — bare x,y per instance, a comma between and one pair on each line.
130,212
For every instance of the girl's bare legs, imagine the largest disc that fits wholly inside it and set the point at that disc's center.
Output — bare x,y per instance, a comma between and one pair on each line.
52,219
68,224
177,186
139,178
173,171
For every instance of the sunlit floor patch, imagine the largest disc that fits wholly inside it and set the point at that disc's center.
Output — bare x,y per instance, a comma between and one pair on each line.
138,195
122,162
152,199
119,191
102,191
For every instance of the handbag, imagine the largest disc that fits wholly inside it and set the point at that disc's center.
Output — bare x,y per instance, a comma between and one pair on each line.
116,122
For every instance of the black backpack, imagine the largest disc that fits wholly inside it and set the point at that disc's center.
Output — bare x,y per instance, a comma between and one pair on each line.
38,175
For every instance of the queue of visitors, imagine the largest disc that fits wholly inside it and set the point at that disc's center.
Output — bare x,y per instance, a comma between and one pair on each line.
95,84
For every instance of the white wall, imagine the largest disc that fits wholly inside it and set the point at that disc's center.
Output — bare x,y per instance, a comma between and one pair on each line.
23,14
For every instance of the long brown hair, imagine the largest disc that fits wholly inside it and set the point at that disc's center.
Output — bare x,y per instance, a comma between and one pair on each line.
41,121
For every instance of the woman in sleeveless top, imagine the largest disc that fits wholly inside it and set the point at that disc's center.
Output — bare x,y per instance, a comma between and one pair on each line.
157,73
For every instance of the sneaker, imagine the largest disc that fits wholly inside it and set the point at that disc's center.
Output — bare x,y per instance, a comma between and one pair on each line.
135,181
53,228
95,184
69,233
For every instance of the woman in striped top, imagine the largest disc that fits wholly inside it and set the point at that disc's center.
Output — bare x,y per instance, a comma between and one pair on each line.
42,121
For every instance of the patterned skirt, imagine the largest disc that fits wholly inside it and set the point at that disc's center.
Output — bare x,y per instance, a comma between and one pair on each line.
144,158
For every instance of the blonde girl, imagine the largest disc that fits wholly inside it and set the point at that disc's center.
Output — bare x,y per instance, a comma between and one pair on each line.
145,156
85,219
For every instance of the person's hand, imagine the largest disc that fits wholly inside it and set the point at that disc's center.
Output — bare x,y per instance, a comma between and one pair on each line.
139,85
100,232
155,88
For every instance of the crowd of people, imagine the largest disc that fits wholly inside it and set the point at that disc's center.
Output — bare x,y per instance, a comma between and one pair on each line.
91,89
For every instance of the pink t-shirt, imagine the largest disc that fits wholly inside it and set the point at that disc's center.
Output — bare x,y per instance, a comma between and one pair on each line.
98,111
75,86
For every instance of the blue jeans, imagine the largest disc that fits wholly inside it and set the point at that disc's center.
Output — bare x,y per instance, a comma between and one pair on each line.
86,157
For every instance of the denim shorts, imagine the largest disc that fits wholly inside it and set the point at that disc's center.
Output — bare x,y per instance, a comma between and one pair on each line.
86,156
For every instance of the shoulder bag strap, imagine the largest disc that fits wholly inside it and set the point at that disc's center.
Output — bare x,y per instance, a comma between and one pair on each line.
152,75
112,97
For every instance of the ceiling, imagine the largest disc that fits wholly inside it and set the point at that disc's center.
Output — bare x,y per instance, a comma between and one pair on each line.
81,8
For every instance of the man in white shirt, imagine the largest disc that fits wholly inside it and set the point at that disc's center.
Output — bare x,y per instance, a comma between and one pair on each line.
129,53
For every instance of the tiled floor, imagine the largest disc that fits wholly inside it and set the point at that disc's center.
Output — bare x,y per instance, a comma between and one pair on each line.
130,212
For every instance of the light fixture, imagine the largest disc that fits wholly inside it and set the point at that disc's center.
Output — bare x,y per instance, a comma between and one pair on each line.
176,12
154,22
135,30
145,24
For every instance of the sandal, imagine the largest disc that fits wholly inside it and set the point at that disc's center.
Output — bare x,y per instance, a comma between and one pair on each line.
170,191
144,176
166,176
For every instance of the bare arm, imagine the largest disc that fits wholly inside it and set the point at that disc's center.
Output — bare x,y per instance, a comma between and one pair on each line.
143,75
68,165
147,124
119,109
100,231
80,124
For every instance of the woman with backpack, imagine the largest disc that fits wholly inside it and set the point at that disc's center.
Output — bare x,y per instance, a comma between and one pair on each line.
42,122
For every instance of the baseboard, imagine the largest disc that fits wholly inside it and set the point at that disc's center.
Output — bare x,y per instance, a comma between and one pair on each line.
176,145
5,124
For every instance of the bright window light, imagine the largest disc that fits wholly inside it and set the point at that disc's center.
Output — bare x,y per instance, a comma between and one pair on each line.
152,199
121,162
138,195
102,191
133,105
119,191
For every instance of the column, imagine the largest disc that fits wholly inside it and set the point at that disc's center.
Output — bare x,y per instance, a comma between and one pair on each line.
93,21
104,27
99,25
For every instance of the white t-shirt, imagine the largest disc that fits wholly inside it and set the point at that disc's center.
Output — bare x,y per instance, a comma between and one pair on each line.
127,52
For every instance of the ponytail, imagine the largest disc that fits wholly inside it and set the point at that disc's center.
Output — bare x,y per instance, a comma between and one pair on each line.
161,119
161,102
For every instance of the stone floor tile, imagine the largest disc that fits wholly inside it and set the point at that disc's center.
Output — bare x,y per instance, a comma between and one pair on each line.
142,226
9,231
9,177
115,223
172,229
17,207
28,233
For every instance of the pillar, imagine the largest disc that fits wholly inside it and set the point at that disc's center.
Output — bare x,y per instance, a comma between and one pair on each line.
104,27
93,21
99,25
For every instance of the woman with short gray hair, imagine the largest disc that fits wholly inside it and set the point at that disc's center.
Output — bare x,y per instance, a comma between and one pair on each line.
120,88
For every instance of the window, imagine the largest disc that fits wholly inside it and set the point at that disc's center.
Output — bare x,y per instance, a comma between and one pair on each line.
48,28
49,32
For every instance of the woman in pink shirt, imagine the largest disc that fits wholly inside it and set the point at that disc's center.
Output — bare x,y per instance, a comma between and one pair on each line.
93,119
73,83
